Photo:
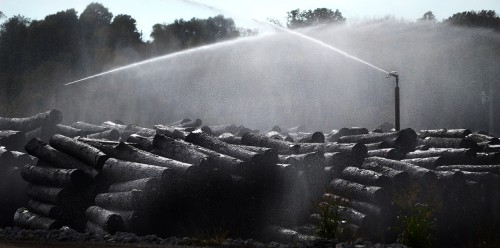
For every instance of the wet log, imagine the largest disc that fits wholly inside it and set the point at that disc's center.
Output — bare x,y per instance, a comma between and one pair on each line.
48,194
360,192
44,209
399,178
487,158
142,131
445,133
316,137
126,152
120,171
390,153
334,135
69,131
105,219
25,219
54,176
220,129
492,148
89,128
84,152
230,139
404,140
130,200
134,221
141,142
6,157
266,152
191,123
296,129
480,138
111,134
366,177
275,135
366,223
44,133
429,163
378,145
174,132
51,118
12,140
418,172
180,151
306,161
149,184
338,161
284,235
473,168
483,177
438,142
213,143
124,133
59,159
449,155
363,207
22,158
356,151
91,227
282,147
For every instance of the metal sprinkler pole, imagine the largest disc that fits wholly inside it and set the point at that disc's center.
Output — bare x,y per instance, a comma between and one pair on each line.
396,99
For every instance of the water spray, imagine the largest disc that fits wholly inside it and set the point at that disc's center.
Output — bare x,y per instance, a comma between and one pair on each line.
396,98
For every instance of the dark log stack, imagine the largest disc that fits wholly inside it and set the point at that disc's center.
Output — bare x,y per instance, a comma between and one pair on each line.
180,179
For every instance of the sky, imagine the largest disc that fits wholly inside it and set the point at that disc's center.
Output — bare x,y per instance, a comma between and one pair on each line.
150,12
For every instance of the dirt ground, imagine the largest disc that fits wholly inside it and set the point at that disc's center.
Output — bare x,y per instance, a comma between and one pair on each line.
53,244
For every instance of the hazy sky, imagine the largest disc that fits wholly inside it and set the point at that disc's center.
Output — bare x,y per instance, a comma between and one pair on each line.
149,12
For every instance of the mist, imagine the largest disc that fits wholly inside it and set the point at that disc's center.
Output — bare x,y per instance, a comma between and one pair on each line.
282,79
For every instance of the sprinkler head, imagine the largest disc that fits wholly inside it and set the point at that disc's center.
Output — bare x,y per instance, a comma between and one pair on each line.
392,73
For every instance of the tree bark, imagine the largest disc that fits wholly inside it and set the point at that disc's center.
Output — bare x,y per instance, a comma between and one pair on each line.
59,159
492,148
44,209
429,163
480,138
445,133
377,145
69,131
400,179
84,152
89,128
130,200
75,178
418,172
107,220
351,190
174,149
12,140
472,168
438,142
26,219
229,138
141,142
120,171
150,184
6,157
283,147
316,137
390,153
449,155
404,140
48,194
111,134
51,117
487,158
366,177
142,131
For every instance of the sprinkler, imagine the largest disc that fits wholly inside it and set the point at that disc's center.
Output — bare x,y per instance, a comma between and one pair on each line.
396,98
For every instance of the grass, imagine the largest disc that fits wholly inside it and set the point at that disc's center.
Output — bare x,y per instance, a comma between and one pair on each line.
330,220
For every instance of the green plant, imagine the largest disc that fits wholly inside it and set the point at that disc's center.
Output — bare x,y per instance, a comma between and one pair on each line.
330,219
416,226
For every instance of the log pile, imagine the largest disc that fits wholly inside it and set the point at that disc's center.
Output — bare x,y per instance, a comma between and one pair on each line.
182,177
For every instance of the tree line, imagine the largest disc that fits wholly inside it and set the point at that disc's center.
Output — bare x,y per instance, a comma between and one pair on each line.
37,56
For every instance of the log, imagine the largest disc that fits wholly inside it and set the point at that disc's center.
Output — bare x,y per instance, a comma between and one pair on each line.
449,155
126,152
89,128
22,158
377,145
134,221
25,219
124,133
473,168
44,133
69,131
56,177
483,177
338,161
193,124
480,138
59,159
296,129
492,148
363,207
445,133
84,152
306,161
390,153
266,152
179,122
418,172
220,129
438,142
150,184
180,151
141,142
230,139
365,222
360,192
366,177
334,135
6,157
48,194
283,147
105,219
316,137
142,131
429,163
12,140
404,140
91,227
274,135
174,132
120,171
213,143
357,151
111,134
487,158
51,117
130,200
399,178
44,209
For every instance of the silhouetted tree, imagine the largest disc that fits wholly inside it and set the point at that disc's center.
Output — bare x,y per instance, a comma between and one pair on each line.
428,17
483,18
298,19
123,32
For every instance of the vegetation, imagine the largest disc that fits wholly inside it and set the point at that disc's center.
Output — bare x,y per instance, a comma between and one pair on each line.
417,226
330,219
299,19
